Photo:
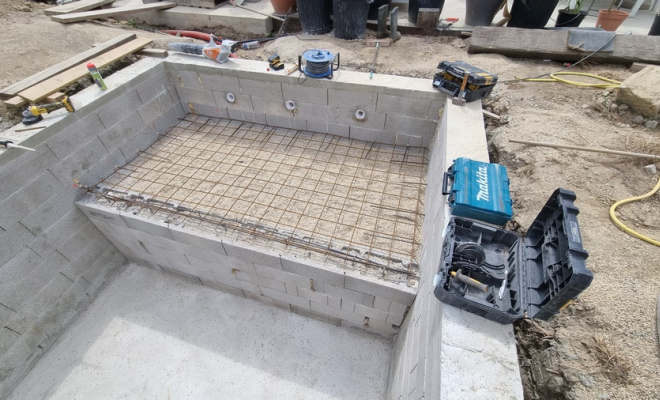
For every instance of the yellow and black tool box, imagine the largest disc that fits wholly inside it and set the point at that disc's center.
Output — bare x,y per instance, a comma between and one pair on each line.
450,78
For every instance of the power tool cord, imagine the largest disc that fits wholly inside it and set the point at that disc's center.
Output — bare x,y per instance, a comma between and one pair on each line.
624,227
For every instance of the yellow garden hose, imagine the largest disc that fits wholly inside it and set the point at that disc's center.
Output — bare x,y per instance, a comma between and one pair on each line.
554,77
625,228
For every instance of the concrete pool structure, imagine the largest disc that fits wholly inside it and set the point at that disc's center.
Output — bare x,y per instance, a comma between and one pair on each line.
319,197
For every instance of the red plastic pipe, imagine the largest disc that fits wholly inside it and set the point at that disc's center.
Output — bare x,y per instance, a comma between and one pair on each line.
194,35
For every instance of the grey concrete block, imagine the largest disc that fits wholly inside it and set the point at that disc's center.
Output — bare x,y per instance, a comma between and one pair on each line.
80,239
189,79
121,131
373,120
86,257
18,360
104,214
334,302
398,308
352,100
369,300
26,288
197,239
12,241
285,122
336,313
344,294
31,196
50,211
102,271
220,83
140,141
40,305
18,267
347,306
318,274
152,227
259,118
235,114
225,264
118,108
155,107
268,106
379,290
241,102
382,304
436,108
188,277
290,289
299,124
370,135
313,296
415,108
5,314
162,253
231,280
58,233
260,281
210,111
76,164
7,339
154,86
189,269
316,113
225,288
76,135
267,300
25,168
382,326
257,256
413,126
271,120
200,96
282,276
282,296
394,319
339,130
305,94
271,90
311,314
372,313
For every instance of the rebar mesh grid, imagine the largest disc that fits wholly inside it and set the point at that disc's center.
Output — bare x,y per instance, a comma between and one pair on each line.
355,200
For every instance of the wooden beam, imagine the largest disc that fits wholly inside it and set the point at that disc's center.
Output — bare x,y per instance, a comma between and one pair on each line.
13,90
382,42
428,18
16,101
78,6
110,12
66,78
158,53
549,44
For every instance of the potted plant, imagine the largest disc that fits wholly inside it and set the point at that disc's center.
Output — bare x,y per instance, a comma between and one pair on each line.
609,19
481,12
572,15
531,14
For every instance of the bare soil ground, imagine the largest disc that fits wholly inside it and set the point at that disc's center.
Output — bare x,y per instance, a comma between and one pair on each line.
605,345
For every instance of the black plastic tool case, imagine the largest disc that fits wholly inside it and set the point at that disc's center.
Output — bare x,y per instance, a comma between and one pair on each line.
545,270
450,78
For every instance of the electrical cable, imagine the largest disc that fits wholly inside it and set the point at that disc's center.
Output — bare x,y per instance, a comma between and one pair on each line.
624,227
554,78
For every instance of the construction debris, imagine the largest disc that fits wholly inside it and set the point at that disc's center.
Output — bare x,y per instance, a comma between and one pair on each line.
640,92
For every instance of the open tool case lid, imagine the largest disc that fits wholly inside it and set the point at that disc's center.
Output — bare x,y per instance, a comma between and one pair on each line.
544,271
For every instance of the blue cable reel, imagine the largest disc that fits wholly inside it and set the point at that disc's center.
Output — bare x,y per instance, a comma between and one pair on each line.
318,63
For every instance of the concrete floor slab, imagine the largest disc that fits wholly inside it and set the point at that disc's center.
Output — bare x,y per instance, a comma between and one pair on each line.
152,335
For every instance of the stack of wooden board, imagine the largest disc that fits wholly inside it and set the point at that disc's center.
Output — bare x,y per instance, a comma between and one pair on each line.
78,6
69,17
48,82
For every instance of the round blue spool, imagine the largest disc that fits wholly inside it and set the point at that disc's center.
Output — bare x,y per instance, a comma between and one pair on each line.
318,63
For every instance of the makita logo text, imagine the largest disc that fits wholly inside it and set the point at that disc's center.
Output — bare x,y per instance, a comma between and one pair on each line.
482,180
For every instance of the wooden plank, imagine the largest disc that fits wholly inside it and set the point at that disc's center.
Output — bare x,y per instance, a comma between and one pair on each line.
110,12
428,18
55,97
383,42
16,101
78,6
66,78
549,44
158,53
18,87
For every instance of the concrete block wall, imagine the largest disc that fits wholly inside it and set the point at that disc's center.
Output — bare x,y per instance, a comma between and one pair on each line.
399,110
53,260
323,292
441,351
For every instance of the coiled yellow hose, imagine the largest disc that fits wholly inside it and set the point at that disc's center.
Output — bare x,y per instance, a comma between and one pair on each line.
625,228
554,77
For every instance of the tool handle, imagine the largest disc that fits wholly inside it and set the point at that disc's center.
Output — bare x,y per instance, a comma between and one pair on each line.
469,281
445,183
188,48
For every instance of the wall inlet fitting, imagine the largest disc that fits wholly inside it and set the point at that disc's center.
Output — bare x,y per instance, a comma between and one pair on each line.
230,97
290,105
360,115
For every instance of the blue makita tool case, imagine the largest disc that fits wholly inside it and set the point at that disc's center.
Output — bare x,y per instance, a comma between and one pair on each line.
479,191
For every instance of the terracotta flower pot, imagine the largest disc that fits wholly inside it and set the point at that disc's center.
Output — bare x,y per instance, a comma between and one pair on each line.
281,6
611,20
